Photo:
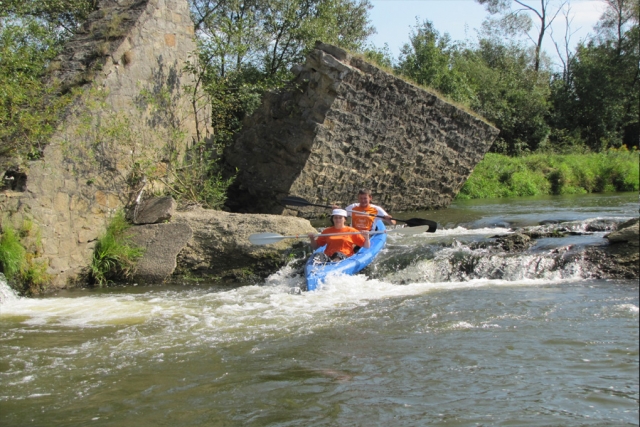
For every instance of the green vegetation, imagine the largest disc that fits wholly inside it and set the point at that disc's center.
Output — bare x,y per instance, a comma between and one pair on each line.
19,250
565,131
32,33
591,104
552,174
199,180
245,49
12,253
114,257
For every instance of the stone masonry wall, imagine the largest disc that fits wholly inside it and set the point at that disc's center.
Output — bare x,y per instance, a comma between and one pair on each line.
345,124
133,113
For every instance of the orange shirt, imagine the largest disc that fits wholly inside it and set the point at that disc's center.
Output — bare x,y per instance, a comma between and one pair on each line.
363,222
342,244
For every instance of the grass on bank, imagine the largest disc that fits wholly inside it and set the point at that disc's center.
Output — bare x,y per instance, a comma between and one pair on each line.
114,257
19,251
553,174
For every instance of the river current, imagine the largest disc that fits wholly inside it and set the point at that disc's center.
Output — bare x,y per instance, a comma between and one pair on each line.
439,331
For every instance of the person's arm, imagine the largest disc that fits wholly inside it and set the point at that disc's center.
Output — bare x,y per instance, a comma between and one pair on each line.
312,241
389,220
367,242
385,216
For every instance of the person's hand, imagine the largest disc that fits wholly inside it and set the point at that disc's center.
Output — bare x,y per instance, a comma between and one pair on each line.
334,206
311,236
365,233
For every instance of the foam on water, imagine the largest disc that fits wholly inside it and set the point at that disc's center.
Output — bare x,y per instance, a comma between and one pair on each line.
276,303
187,318
7,295
272,306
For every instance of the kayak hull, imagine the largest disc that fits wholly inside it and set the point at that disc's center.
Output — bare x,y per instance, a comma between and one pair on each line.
315,274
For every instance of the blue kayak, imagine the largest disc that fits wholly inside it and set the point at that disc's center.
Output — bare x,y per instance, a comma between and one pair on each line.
315,273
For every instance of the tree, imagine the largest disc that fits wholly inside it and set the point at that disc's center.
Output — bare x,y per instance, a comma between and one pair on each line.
271,35
428,60
63,16
247,47
602,95
509,92
518,21
494,79
564,50
32,33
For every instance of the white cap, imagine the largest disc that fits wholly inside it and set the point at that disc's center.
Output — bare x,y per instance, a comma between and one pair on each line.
340,212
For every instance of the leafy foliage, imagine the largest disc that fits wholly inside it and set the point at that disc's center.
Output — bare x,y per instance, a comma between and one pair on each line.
199,179
430,59
32,33
599,101
379,56
114,257
12,253
248,47
548,174
29,109
516,18
63,16
272,35
496,80
19,250
509,93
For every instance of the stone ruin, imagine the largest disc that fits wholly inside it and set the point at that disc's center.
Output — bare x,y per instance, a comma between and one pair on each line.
344,124
341,125
126,63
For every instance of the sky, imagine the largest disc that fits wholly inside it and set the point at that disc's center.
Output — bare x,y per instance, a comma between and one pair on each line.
394,19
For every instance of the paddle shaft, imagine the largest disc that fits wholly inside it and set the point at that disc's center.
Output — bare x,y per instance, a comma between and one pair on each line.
412,222
299,201
268,238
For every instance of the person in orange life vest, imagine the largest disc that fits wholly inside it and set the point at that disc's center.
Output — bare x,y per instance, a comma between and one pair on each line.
340,247
365,219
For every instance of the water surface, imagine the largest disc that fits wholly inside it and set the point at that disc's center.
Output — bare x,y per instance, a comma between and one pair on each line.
437,332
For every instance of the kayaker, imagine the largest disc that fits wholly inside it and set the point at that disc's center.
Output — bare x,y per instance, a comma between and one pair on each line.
339,247
369,211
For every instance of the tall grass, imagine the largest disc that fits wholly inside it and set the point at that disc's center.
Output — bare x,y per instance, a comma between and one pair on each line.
552,174
12,253
19,251
114,257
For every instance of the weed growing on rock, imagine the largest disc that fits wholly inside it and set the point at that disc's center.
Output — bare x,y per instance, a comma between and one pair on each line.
114,257
19,251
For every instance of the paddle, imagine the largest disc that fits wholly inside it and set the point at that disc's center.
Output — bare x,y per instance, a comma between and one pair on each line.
268,238
411,222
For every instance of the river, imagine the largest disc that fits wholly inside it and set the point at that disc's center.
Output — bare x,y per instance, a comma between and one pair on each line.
438,332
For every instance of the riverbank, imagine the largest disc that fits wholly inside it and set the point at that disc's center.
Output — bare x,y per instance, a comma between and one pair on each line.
499,176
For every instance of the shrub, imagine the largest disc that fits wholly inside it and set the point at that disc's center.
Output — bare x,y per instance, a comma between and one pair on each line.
18,259
12,253
114,257
547,173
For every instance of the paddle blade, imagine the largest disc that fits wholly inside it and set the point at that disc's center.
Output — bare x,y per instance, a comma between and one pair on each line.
265,238
419,222
295,201
299,201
